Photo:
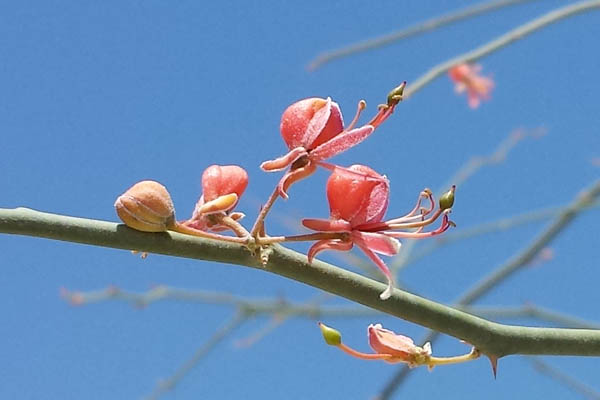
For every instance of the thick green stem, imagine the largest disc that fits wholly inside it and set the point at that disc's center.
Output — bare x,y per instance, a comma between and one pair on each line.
489,337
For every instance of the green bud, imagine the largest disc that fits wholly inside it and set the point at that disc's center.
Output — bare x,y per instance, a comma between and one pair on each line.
331,336
447,199
395,95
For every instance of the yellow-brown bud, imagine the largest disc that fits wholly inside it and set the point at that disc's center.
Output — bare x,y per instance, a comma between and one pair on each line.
447,199
147,207
332,337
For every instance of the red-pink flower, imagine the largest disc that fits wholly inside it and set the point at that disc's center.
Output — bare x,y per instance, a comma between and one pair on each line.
313,130
467,78
400,348
222,186
358,198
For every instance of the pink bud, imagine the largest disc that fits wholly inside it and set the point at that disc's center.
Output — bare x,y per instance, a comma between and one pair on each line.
355,198
311,122
223,180
222,186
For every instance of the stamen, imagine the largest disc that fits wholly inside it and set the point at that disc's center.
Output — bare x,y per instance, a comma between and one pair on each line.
361,106
423,211
410,225
446,223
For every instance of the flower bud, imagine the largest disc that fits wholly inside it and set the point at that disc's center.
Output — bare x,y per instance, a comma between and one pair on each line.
332,337
357,194
311,122
220,180
395,95
147,207
447,199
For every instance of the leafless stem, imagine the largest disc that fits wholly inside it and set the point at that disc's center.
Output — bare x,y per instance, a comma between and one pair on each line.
413,30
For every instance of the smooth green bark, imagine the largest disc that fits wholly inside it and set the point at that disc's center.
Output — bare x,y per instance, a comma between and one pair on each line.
491,338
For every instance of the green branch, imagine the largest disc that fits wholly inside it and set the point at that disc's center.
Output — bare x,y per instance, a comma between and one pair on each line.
491,338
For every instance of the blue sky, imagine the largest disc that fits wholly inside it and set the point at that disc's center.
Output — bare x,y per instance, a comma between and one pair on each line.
100,95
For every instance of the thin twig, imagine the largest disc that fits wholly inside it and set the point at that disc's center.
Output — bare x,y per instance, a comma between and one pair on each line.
279,318
413,30
168,384
466,171
577,386
311,309
504,271
500,42
491,227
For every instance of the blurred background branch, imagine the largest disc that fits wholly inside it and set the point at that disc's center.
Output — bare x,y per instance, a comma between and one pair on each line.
512,265
413,30
504,40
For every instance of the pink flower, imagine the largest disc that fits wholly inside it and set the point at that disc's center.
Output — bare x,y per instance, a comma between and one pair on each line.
393,348
222,186
313,130
358,199
466,77
400,348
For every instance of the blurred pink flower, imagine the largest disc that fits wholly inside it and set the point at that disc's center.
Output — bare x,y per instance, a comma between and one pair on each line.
467,78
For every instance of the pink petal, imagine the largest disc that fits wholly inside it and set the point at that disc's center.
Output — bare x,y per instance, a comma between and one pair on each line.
376,207
341,143
328,244
377,242
384,269
384,341
326,225
317,124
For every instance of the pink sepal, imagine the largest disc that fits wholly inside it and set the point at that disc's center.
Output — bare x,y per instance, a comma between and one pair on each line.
327,244
284,161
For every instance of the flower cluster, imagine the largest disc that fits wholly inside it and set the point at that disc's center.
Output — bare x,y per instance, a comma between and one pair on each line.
147,205
358,196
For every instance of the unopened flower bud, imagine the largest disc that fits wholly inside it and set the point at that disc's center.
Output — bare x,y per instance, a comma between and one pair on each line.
395,95
447,199
147,207
332,337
